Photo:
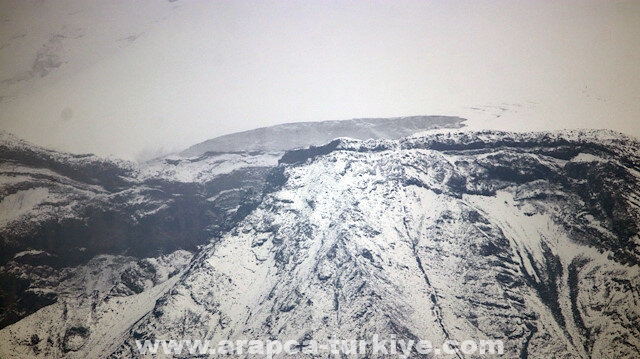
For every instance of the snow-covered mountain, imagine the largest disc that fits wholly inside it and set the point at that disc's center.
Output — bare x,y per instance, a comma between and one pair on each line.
528,238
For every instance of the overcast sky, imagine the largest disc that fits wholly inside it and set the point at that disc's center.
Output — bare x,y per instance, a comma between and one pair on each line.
131,78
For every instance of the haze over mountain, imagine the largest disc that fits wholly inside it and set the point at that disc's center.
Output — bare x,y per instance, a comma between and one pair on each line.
141,78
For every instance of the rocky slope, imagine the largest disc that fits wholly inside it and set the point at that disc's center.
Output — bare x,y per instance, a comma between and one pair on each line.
531,239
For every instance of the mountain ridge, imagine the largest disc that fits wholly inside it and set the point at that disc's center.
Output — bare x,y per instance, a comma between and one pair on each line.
303,134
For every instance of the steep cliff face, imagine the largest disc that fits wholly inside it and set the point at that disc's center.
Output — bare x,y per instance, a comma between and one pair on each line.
531,239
